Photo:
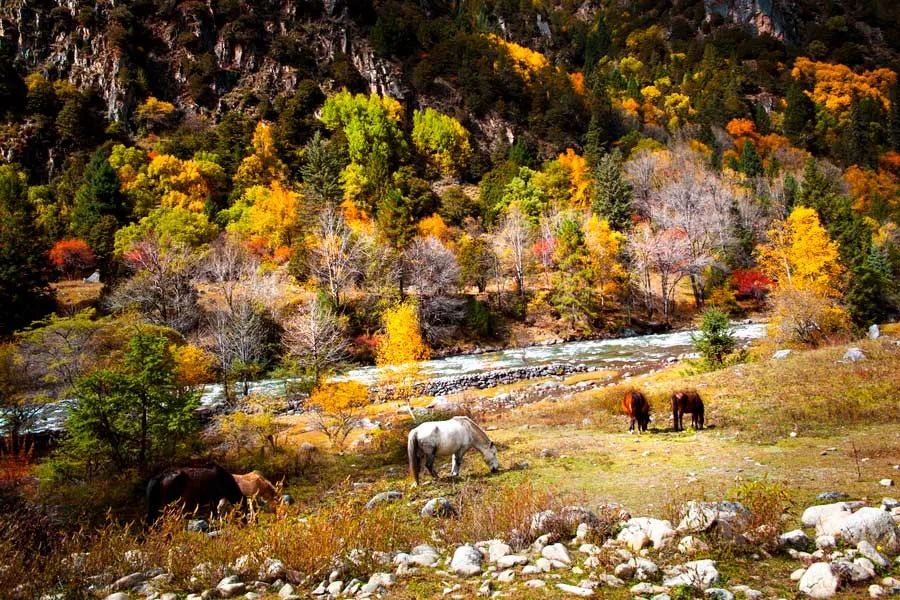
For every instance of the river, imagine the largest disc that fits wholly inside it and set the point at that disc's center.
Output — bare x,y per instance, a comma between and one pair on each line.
633,353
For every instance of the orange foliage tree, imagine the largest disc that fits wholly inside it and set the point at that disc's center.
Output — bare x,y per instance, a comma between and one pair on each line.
835,85
338,407
72,257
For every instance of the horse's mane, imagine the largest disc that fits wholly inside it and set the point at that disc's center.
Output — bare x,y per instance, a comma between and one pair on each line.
481,432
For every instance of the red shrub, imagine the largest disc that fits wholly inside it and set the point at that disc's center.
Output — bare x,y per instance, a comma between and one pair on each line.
750,283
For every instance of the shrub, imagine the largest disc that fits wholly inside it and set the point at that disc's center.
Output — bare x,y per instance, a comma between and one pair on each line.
338,406
716,339
72,257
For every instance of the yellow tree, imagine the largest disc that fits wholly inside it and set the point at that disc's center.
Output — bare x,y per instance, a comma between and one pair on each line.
263,166
434,226
580,182
338,407
604,246
193,366
800,255
804,264
399,351
270,213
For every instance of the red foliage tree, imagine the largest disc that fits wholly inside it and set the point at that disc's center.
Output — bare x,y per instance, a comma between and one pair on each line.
72,257
750,283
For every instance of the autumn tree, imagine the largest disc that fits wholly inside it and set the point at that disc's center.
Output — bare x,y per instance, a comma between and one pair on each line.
804,263
443,140
665,253
400,349
71,257
476,261
316,337
605,247
431,267
338,409
263,166
270,213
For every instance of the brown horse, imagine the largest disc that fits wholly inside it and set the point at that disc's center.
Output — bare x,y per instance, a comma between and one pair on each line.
194,488
635,405
687,402
254,485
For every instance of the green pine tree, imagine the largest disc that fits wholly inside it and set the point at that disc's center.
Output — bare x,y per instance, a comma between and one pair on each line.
611,193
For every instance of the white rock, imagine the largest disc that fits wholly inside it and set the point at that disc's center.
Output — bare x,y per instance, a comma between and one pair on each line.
781,354
638,531
718,594
511,560
506,576
853,355
286,590
797,574
610,580
466,560
625,570
873,525
589,549
814,515
271,570
535,583
647,589
729,518
575,590
646,569
496,549
819,581
874,332
335,587
876,591
699,574
557,552
870,552
545,565
886,482
825,542
117,596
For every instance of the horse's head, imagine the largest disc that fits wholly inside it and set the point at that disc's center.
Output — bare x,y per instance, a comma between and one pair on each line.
490,457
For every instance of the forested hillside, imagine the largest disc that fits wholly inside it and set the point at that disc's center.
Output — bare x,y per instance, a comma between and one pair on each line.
563,166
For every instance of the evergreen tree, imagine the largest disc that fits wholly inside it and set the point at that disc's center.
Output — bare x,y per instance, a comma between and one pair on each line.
855,143
799,116
612,194
750,163
323,161
573,290
133,414
762,120
893,123
25,293
716,339
98,196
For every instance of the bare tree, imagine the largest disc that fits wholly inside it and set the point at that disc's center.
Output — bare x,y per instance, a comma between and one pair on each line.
20,411
228,265
512,243
316,337
335,260
641,172
162,287
432,269
237,337
666,252
696,202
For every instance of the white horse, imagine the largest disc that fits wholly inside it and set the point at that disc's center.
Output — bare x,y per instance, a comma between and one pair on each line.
451,437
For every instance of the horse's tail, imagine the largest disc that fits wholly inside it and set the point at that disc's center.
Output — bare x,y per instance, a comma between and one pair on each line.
154,499
412,451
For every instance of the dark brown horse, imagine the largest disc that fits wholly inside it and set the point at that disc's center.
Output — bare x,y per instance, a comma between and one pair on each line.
687,402
194,488
635,405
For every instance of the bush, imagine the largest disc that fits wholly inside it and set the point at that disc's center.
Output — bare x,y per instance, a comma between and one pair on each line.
716,339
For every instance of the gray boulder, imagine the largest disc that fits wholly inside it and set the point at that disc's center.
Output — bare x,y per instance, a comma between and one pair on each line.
781,354
698,574
466,560
853,355
438,507
873,525
819,581
729,519
874,332
390,496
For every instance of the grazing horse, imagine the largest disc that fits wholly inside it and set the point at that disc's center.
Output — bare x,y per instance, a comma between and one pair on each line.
635,405
687,402
445,438
193,487
254,485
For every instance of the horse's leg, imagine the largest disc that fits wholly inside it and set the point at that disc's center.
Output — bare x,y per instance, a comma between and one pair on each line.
456,464
429,463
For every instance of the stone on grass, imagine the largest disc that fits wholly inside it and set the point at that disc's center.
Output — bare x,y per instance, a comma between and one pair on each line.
198,525
535,583
874,332
117,596
647,589
438,507
781,354
127,582
575,590
496,549
874,526
825,542
831,496
853,355
718,594
506,576
876,591
229,587
797,574
286,591
335,587
557,552
610,580
466,560
819,581
729,519
869,551
383,497
795,539
887,482
698,574
511,560
271,570
690,544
